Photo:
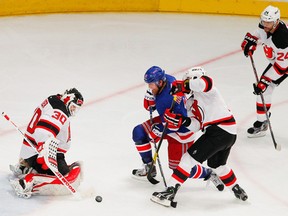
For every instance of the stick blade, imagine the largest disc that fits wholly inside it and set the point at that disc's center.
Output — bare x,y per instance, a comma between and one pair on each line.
152,180
278,147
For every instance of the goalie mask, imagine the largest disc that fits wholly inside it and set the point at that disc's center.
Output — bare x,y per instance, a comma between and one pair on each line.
73,100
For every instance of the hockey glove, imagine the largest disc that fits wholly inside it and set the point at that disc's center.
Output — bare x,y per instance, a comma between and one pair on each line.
155,133
149,100
249,44
179,87
261,86
175,121
42,153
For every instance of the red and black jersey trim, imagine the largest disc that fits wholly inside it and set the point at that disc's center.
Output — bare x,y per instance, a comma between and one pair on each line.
57,103
31,141
279,69
49,126
224,121
209,83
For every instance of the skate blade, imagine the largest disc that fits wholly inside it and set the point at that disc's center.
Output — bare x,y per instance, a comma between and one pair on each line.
260,134
164,202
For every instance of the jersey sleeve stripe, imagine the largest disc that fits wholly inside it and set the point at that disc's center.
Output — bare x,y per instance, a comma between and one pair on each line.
49,126
209,83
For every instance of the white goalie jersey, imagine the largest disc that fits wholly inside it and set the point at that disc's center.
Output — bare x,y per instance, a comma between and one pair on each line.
49,119
206,106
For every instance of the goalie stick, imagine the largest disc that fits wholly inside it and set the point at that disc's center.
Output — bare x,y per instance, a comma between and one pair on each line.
51,146
158,159
149,176
276,145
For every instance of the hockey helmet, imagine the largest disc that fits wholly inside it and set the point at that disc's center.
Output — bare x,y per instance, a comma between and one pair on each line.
270,14
154,75
193,73
73,100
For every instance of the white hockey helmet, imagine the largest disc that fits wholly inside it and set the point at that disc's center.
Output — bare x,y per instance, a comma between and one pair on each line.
193,73
270,14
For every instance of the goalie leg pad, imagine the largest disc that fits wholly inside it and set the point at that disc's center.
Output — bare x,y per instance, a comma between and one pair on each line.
51,185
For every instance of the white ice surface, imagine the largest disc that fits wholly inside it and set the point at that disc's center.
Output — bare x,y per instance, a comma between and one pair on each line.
105,56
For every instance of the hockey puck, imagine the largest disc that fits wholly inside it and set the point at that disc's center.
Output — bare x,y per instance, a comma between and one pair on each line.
98,199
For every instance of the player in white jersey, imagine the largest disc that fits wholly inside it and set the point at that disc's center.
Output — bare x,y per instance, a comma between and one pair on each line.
50,119
272,33
213,121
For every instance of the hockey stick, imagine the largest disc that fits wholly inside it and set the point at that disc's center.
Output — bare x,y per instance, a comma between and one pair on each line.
149,176
155,146
50,159
277,146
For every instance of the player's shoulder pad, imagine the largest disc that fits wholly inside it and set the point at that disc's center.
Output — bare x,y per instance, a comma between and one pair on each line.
280,36
170,78
56,103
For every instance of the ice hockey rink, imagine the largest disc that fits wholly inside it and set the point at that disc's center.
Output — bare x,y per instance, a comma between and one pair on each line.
105,56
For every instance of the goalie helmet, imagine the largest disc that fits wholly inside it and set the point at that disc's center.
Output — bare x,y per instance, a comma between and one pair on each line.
73,100
270,14
193,73
154,75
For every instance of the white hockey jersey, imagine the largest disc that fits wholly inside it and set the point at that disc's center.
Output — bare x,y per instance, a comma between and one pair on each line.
49,119
206,107
275,47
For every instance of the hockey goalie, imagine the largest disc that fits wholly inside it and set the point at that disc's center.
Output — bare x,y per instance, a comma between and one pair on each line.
42,155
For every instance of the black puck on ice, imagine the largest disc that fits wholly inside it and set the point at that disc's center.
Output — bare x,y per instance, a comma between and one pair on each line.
98,199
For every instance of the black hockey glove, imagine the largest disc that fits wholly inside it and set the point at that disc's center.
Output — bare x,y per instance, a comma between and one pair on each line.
180,87
249,44
260,87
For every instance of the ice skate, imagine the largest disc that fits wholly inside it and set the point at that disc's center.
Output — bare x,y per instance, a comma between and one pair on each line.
258,130
166,198
22,188
142,172
239,193
215,180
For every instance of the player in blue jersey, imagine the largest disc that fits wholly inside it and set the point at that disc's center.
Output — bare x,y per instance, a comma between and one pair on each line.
158,98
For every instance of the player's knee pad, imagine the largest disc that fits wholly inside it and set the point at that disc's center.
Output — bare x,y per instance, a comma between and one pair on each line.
139,135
